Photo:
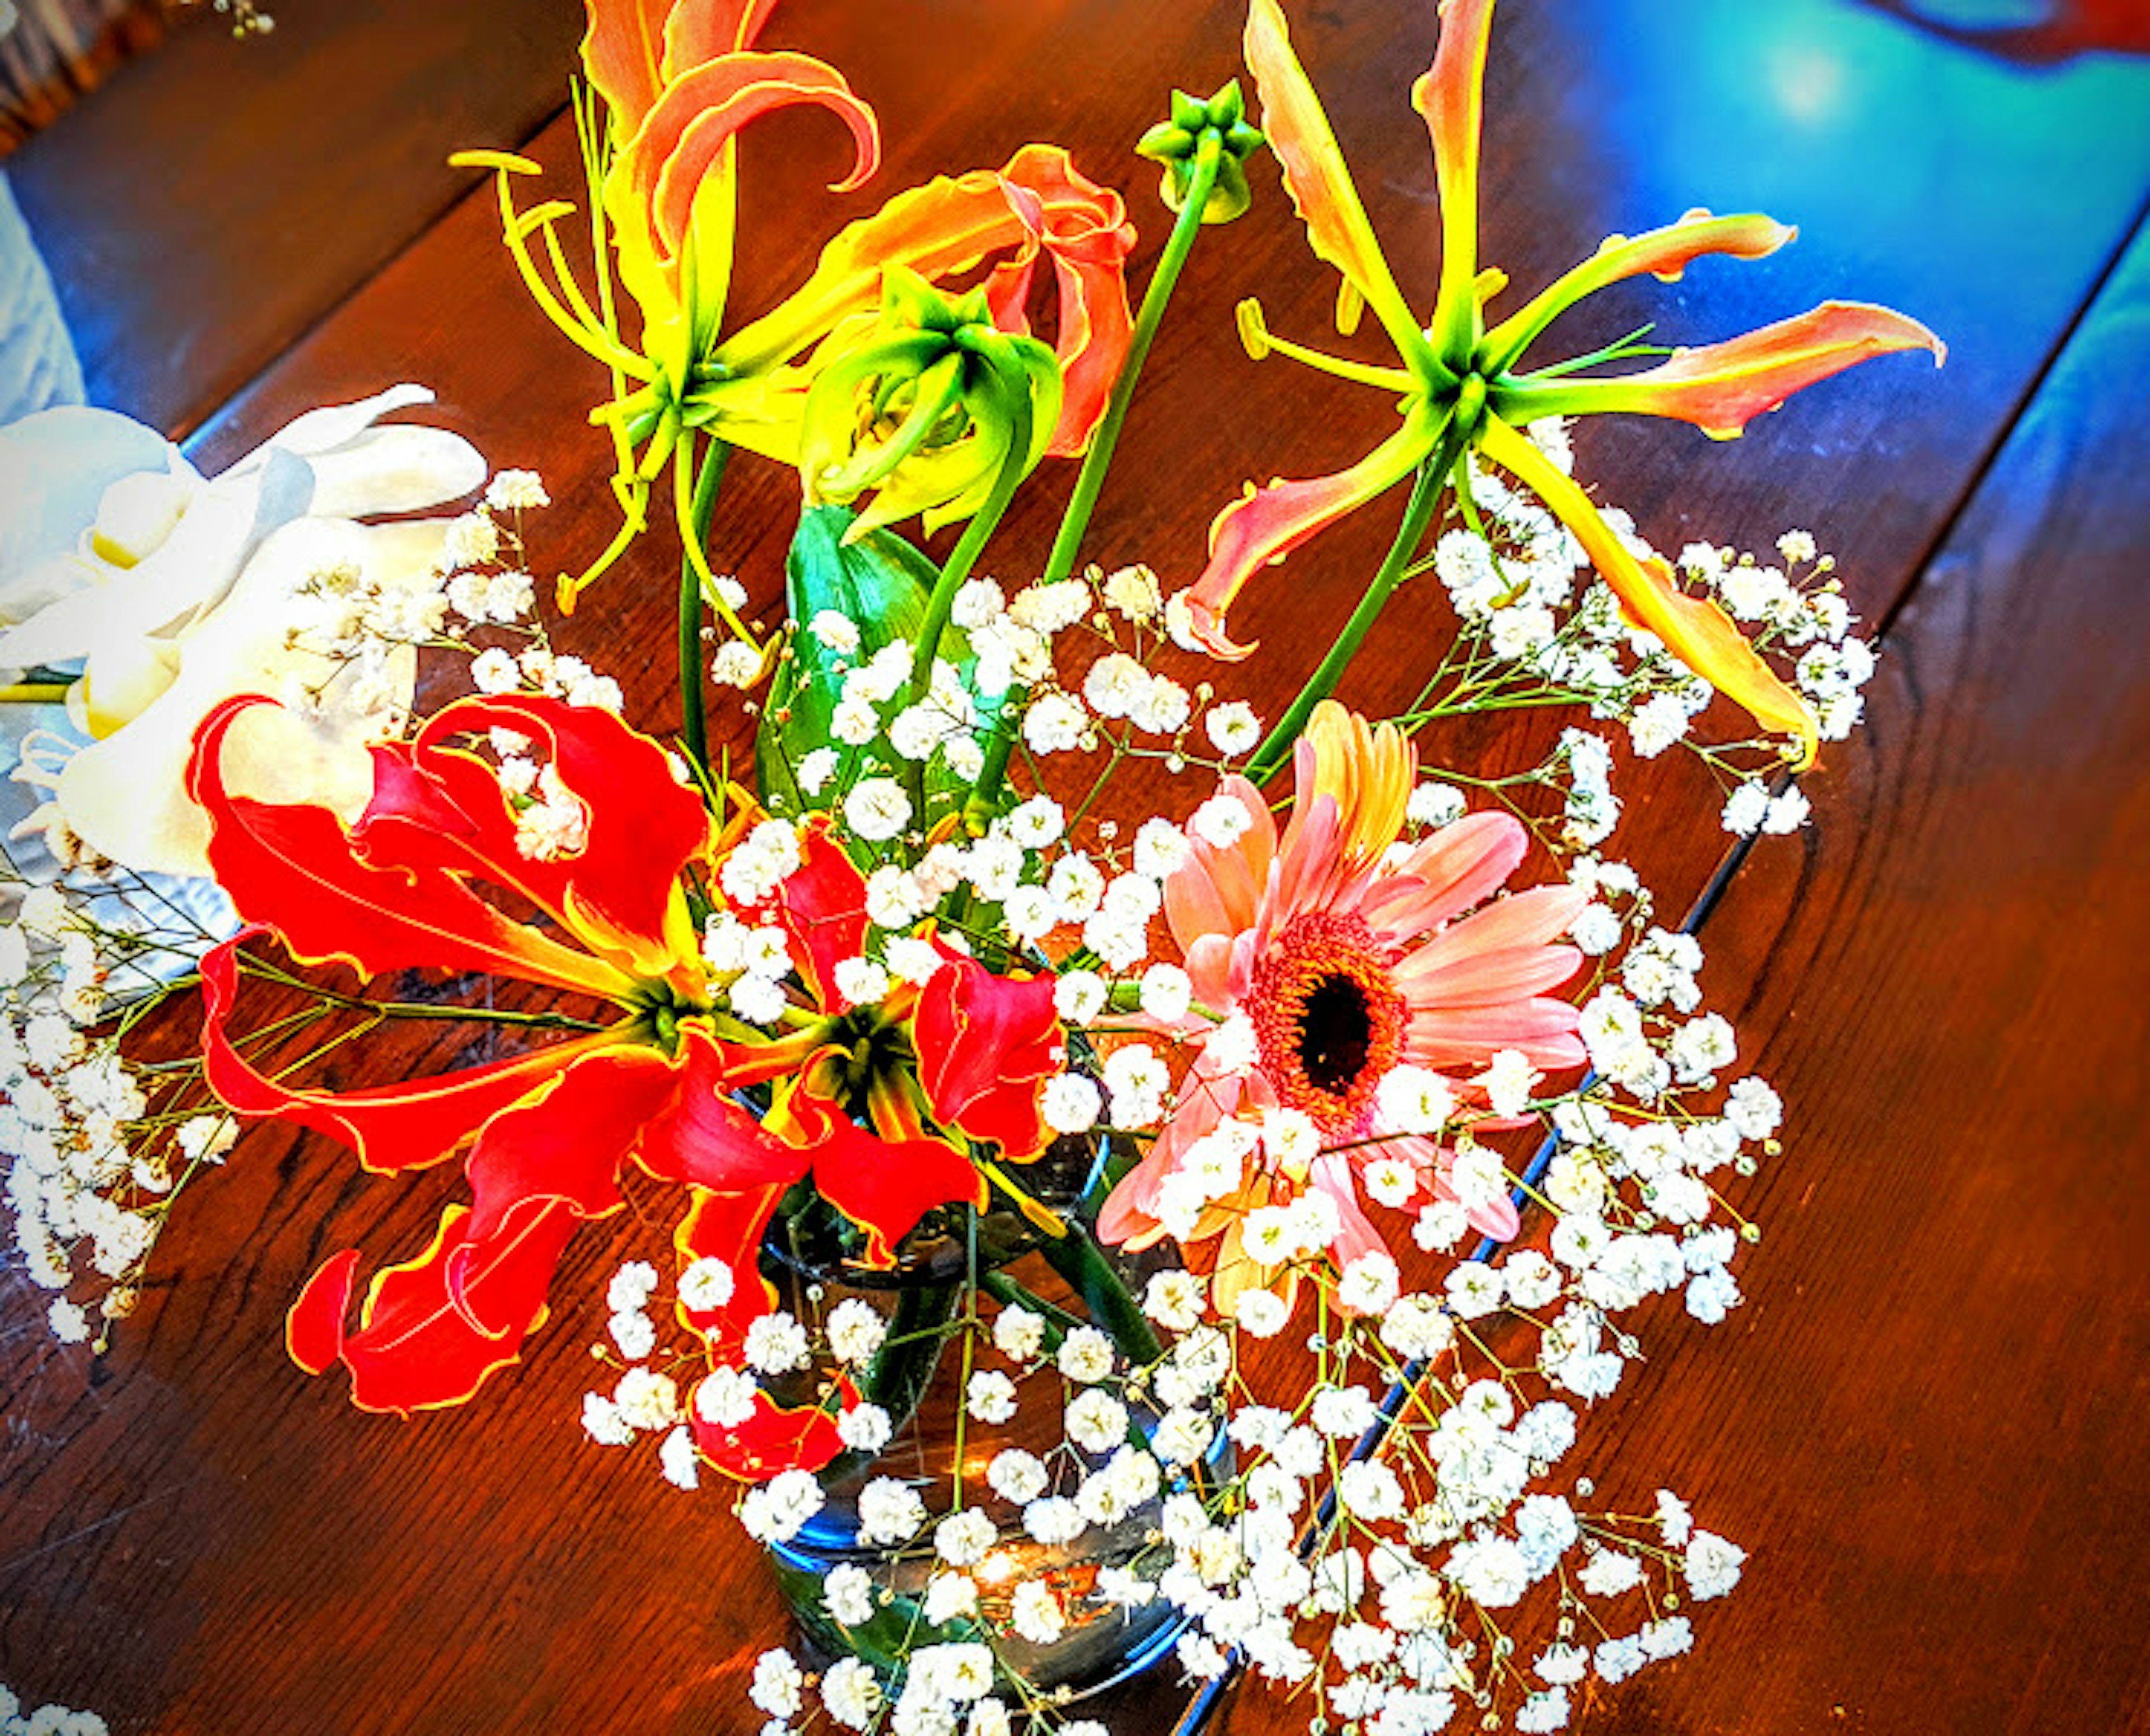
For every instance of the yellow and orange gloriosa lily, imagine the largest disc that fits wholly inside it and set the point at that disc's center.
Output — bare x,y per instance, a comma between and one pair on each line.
678,80
880,1105
1458,382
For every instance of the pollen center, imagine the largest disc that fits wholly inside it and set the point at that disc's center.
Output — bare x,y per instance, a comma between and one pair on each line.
1329,1019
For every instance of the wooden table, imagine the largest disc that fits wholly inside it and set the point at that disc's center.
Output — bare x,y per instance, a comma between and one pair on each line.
1926,1421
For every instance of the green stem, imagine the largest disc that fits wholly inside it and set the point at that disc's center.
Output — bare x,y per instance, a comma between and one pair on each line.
693,726
961,560
1113,1307
1426,497
1090,480
901,1371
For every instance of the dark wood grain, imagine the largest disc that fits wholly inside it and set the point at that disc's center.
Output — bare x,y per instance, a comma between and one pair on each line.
198,1539
215,199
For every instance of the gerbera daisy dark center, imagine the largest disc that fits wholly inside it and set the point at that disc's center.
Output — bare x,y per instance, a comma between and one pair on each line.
1336,1031
1329,1019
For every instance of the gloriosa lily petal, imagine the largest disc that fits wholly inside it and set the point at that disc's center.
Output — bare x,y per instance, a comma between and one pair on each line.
1663,253
1265,525
651,191
298,869
986,1044
1039,200
1316,178
1449,97
438,807
1721,387
1693,628
390,1128
431,1329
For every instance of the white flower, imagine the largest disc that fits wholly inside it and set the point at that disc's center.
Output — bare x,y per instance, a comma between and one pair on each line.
865,1428
949,1597
1435,805
1745,808
775,1344
1174,1299
777,1684
1016,1475
889,1511
1070,1103
1232,729
725,1399
1416,1328
647,1399
877,809
1413,1100
1261,1313
1786,813
1053,723
634,1334
1035,1613
1167,993
1096,1421
1018,1334
990,1398
1133,591
1079,997
777,1511
850,1692
1712,1566
1221,821
962,1539
855,1330
860,981
678,1460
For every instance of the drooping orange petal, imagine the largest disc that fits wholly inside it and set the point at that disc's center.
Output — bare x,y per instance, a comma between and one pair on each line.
1083,228
705,1139
1663,253
1265,525
622,57
939,229
392,1128
776,1437
1721,387
297,869
1694,629
985,1046
437,807
699,113
1316,178
1450,95
698,31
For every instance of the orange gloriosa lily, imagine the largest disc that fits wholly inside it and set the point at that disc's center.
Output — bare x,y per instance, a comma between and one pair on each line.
678,80
1459,383
879,1105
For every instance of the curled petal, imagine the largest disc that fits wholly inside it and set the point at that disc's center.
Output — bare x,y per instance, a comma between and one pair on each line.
1265,525
295,868
938,229
1083,228
1721,387
706,1139
775,1437
1316,178
1663,253
392,1128
986,1044
698,31
1694,629
432,1329
436,808
651,188
883,1185
623,57
1450,95
564,1143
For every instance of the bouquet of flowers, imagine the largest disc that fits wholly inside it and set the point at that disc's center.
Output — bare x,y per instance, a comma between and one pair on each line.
1143,1180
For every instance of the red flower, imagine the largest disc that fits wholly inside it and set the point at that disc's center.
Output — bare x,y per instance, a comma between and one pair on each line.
544,1134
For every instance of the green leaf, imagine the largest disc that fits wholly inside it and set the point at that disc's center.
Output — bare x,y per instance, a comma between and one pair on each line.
882,583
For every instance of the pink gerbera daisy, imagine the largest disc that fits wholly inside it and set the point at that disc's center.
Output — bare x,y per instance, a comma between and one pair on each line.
1320,964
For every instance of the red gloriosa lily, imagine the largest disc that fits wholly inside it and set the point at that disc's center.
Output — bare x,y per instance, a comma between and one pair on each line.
1457,381
544,1135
